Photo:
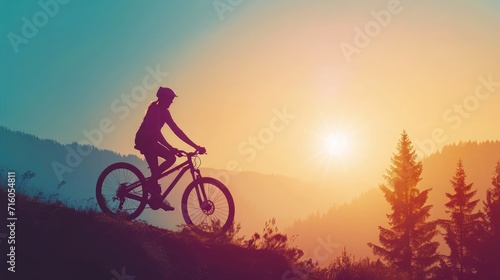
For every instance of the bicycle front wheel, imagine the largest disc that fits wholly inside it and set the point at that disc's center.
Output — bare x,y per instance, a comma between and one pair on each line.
119,190
208,207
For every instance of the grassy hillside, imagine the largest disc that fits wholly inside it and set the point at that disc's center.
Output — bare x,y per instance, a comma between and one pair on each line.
55,242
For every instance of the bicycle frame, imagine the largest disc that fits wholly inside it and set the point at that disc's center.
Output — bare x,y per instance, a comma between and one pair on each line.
183,167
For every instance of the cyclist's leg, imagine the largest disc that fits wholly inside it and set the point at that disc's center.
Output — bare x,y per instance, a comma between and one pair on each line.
147,147
160,151
167,155
152,160
152,185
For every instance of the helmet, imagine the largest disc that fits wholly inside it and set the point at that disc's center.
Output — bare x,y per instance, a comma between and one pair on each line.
164,92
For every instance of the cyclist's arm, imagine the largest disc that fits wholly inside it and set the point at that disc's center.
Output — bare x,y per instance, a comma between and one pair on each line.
177,131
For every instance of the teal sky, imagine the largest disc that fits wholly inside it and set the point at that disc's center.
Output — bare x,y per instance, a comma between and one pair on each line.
86,55
232,74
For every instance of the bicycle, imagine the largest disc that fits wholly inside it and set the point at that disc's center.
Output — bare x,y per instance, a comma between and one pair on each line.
207,205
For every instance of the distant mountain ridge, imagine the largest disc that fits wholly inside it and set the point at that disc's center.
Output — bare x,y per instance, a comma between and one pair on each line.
258,197
355,224
54,162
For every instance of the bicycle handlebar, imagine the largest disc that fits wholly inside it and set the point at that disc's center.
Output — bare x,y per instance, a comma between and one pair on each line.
182,153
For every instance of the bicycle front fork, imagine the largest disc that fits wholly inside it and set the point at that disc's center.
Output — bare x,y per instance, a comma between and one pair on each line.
200,189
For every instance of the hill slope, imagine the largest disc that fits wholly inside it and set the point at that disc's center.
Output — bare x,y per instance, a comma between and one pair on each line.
55,242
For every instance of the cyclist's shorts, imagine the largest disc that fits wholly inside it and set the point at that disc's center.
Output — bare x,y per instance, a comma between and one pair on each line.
145,144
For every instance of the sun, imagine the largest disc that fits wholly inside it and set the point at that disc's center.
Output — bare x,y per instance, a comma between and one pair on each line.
336,144
336,148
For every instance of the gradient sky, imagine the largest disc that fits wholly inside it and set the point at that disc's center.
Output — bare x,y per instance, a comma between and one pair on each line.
232,75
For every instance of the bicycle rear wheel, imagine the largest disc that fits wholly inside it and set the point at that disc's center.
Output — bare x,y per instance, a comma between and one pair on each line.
114,192
208,207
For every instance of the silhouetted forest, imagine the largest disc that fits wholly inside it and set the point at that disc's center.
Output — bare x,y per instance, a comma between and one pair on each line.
409,237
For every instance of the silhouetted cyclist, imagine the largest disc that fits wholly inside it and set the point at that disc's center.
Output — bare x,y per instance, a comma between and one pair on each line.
150,141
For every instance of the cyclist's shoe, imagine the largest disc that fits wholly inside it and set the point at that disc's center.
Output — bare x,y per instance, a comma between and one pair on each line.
165,205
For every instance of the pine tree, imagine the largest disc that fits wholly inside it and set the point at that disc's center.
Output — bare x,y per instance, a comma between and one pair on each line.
492,205
407,244
490,249
464,227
